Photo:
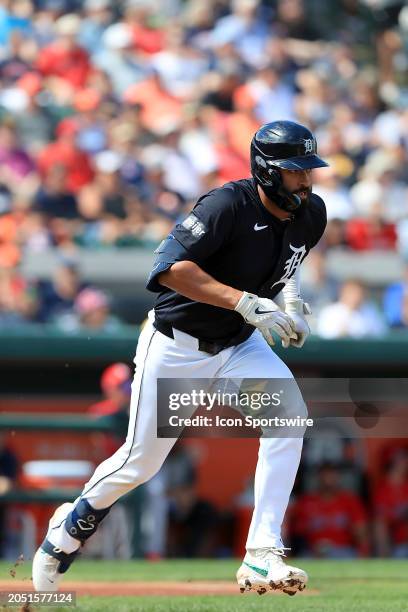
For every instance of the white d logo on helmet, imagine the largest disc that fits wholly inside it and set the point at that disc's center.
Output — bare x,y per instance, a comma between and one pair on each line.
309,145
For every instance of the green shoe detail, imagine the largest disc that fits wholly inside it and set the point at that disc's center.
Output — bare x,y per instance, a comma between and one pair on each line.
259,570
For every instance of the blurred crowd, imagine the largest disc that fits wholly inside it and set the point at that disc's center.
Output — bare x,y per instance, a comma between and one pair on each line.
337,513
116,116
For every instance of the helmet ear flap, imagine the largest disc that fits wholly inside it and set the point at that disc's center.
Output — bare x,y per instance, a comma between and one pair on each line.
275,190
275,176
267,175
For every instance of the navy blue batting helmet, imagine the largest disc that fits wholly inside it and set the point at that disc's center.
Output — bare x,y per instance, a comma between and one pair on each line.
282,145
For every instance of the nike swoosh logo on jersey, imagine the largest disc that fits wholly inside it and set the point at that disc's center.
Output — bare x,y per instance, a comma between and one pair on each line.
257,311
259,227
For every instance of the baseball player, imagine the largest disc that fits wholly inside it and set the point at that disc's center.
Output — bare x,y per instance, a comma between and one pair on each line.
227,279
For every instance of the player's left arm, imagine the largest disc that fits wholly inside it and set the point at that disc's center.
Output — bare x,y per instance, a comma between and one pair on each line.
290,297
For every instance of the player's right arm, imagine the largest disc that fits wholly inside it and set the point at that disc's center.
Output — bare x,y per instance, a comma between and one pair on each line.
188,279
206,229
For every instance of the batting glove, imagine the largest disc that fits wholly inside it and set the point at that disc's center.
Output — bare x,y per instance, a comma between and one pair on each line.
297,309
267,317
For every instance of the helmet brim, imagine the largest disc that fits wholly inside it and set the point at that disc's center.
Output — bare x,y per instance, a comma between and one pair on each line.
303,162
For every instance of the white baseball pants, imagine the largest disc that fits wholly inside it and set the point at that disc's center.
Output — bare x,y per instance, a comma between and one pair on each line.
142,454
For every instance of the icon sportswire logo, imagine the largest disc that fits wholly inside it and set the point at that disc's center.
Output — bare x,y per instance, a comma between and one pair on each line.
257,227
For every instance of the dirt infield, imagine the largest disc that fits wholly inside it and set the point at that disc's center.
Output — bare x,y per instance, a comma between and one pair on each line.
164,588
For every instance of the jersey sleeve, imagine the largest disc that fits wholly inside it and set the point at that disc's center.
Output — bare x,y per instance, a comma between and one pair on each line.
319,216
209,225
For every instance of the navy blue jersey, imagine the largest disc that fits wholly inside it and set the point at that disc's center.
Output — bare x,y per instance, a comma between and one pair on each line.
234,238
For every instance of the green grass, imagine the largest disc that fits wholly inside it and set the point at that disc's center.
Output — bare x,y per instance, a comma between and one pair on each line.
343,586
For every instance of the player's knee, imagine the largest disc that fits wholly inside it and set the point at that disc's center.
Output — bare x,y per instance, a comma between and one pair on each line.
138,472
83,521
147,471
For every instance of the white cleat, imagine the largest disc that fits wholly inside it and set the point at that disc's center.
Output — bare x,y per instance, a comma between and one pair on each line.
263,569
45,572
50,562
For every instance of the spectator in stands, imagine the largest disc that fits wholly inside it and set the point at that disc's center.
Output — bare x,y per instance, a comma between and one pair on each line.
115,384
53,199
16,166
245,30
330,522
97,17
8,477
91,313
105,197
353,315
57,296
118,58
18,299
293,21
64,58
180,66
160,110
221,87
15,16
391,509
271,96
64,151
15,64
381,186
371,233
35,122
112,210
92,117
319,288
334,236
395,302
333,191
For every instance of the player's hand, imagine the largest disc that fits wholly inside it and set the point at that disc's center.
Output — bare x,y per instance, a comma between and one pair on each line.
297,309
267,317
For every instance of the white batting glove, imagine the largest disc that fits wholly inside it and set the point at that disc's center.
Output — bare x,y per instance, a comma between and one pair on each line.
297,309
267,317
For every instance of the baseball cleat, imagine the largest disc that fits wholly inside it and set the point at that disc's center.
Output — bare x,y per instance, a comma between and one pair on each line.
263,570
50,562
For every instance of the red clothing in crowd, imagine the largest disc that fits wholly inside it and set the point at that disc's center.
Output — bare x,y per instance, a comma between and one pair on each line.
365,235
76,162
328,521
147,39
72,65
158,107
391,505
